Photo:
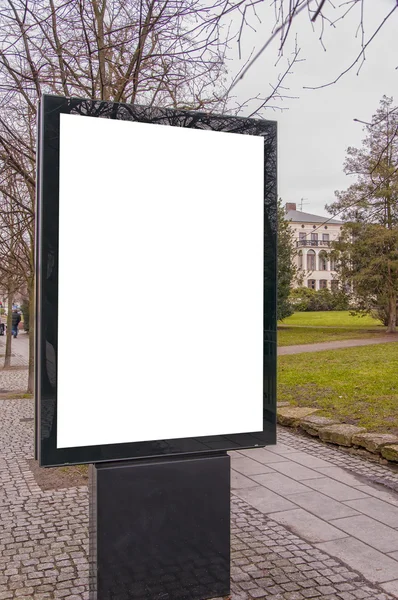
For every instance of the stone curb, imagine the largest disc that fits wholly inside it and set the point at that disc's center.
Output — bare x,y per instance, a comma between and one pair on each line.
303,418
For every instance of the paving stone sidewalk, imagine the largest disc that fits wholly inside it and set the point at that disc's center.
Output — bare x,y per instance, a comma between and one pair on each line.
335,345
340,510
44,535
19,350
371,470
15,380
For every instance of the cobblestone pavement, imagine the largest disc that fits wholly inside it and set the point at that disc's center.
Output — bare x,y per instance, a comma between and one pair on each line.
43,535
15,380
44,538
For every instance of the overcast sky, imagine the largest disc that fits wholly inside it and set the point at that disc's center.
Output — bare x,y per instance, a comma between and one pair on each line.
316,129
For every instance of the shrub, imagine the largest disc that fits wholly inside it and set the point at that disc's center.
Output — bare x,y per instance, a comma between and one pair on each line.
305,300
301,298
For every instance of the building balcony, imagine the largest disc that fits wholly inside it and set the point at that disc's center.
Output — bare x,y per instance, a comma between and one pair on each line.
312,243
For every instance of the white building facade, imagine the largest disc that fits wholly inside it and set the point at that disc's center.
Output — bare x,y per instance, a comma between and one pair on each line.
313,237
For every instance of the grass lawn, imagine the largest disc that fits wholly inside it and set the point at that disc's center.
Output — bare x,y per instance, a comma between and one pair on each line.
290,336
331,318
326,326
357,385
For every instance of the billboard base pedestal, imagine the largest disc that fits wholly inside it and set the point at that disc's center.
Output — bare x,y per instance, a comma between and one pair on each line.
160,529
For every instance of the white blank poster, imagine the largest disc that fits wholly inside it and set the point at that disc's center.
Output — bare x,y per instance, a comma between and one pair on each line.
160,331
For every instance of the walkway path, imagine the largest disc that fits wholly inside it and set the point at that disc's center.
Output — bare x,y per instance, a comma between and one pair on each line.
15,380
328,498
19,349
308,521
300,348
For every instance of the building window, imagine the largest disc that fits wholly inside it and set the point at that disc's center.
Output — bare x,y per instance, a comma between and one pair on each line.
325,237
323,261
323,284
300,260
334,285
311,260
311,284
332,264
314,237
302,235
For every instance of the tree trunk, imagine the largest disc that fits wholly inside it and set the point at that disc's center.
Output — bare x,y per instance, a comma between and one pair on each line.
7,357
392,313
32,333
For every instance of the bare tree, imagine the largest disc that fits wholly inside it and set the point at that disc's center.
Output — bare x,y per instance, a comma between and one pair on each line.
322,14
155,52
17,210
14,249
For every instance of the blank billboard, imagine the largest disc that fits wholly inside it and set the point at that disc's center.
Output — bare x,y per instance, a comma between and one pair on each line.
160,306
153,313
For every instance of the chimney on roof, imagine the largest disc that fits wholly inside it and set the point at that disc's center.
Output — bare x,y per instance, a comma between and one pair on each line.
290,206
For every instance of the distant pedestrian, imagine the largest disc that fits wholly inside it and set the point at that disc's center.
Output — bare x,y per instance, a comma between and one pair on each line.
16,318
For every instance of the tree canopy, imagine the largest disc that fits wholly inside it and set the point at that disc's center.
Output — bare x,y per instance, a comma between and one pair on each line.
367,252
287,269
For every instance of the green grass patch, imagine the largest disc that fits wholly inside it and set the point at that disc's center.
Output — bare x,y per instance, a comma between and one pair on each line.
290,336
326,326
333,318
356,385
80,469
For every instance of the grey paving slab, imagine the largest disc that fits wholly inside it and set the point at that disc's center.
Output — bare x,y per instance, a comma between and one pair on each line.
268,561
308,526
247,466
336,489
239,481
371,532
296,471
263,455
358,466
264,500
381,493
341,475
280,484
309,461
391,587
376,508
322,506
281,449
393,555
379,567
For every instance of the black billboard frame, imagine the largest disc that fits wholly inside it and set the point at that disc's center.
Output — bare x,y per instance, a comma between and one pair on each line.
47,230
